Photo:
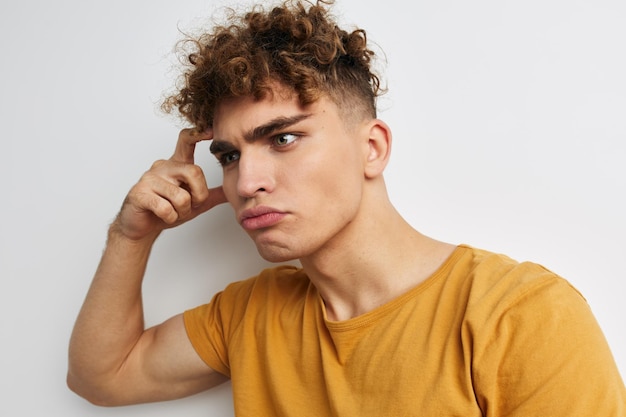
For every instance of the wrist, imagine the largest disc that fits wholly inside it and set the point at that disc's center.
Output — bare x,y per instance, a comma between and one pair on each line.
119,233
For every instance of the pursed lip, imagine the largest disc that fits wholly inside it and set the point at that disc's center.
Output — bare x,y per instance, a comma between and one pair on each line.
260,217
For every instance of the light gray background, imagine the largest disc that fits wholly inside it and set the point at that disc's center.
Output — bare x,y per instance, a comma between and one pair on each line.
509,121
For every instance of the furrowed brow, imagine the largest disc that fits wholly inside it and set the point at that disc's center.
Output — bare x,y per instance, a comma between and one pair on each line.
222,146
274,125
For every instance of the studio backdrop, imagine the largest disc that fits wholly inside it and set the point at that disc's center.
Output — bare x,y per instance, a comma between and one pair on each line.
509,127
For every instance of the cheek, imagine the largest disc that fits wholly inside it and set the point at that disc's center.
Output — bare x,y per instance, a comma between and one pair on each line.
337,181
229,184
341,169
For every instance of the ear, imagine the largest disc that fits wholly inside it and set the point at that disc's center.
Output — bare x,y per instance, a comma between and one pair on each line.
378,148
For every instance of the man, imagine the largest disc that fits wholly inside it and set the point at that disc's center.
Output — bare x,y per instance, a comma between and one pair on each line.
380,320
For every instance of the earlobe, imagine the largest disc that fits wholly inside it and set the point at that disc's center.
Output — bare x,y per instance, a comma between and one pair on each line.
378,148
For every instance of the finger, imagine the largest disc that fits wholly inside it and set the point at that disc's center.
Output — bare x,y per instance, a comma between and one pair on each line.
188,177
215,197
168,201
191,177
173,204
163,209
186,145
147,201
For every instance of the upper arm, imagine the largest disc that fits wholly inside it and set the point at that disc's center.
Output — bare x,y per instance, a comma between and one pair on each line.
163,365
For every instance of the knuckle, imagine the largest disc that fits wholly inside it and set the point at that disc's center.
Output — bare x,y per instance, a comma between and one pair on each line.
181,198
135,194
158,164
141,189
195,172
143,200
186,132
202,196
165,212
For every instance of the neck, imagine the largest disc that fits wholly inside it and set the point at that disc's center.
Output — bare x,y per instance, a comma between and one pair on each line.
375,259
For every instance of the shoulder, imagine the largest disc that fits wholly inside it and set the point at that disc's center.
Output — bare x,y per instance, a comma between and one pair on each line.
279,278
248,298
494,290
498,280
282,275
532,334
524,302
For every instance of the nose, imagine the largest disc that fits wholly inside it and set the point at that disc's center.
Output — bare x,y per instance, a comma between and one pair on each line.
254,175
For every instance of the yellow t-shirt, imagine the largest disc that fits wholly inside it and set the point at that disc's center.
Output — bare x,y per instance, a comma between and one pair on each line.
483,336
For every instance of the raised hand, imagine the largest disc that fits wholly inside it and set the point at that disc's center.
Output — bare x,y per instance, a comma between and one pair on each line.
170,193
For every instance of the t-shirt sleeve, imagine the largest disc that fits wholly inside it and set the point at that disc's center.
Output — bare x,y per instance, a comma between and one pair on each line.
205,331
542,353
210,326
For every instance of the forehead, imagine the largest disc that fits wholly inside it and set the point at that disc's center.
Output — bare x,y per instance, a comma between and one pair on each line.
253,109
234,116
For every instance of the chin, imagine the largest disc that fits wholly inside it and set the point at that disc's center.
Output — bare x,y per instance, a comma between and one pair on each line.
282,247
276,255
275,252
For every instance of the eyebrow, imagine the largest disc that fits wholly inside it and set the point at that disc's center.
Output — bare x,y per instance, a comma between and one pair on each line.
274,125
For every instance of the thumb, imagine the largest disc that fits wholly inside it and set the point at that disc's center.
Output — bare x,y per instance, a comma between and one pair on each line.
216,197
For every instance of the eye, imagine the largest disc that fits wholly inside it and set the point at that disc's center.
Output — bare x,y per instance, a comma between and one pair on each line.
228,158
284,139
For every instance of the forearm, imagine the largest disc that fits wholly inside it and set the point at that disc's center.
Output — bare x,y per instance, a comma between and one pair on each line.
111,319
112,359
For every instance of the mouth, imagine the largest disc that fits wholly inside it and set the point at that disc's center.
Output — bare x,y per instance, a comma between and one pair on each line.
260,217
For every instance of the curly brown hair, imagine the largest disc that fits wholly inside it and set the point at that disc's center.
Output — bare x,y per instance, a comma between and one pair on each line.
299,46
